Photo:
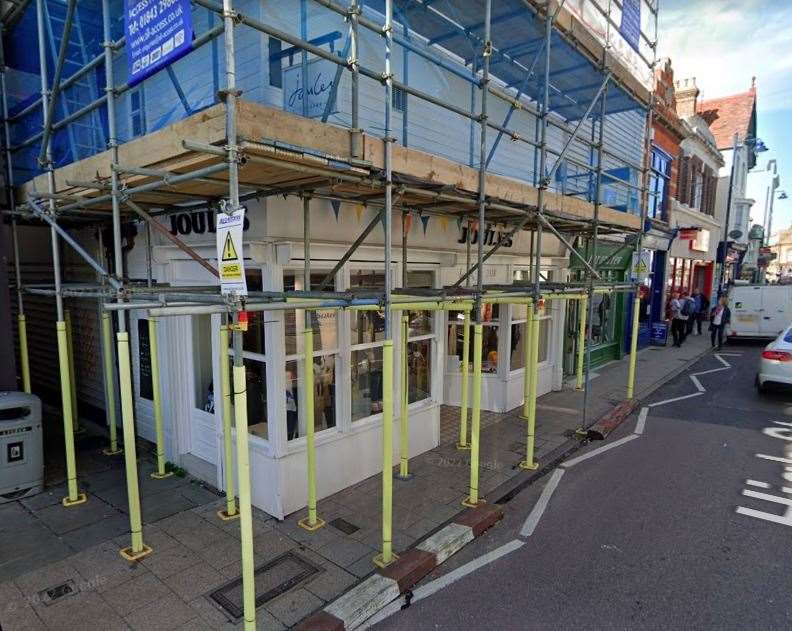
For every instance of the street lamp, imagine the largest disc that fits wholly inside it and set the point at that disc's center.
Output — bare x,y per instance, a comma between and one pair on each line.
758,146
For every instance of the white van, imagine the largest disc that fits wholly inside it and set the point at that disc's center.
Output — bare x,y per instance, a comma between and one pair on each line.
759,310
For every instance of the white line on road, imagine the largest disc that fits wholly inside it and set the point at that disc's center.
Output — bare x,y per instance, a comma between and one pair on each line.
775,458
770,498
722,361
444,581
541,504
639,426
597,452
761,485
707,372
697,383
675,399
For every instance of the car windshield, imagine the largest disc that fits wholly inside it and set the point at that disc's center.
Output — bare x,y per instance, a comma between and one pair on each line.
788,335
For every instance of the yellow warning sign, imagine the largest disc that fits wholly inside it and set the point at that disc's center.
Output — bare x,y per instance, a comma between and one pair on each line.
229,251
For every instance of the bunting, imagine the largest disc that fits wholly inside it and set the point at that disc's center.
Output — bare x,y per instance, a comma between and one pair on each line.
425,222
336,207
443,223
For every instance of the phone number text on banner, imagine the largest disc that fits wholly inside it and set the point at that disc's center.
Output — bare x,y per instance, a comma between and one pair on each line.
158,32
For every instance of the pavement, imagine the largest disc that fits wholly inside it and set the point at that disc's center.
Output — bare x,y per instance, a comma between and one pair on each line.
60,568
678,521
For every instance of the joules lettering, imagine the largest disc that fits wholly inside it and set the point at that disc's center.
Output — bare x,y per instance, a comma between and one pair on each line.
491,237
198,222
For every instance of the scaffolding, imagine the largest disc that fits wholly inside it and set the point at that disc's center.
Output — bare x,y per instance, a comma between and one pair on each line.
503,49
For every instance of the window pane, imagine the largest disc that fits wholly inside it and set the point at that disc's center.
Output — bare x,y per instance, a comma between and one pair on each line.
366,382
419,370
367,326
489,354
253,338
324,322
420,323
454,341
256,383
519,312
518,339
202,362
324,396
602,323
366,278
544,339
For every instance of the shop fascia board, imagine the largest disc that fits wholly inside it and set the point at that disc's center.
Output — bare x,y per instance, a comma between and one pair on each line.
258,251
331,252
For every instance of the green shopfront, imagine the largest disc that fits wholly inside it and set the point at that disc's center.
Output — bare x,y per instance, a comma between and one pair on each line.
609,309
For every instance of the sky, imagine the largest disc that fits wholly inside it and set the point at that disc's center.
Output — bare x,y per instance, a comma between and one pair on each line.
723,43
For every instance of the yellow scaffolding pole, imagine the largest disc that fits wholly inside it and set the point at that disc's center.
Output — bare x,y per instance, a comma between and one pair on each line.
160,473
230,511
110,386
74,496
404,419
581,345
312,522
137,550
473,497
530,438
527,360
245,508
463,408
633,346
23,353
72,374
386,557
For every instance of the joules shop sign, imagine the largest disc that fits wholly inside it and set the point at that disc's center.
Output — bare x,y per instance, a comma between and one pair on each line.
196,223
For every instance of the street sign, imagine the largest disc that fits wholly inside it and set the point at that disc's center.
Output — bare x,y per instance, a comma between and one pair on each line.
157,34
658,334
230,261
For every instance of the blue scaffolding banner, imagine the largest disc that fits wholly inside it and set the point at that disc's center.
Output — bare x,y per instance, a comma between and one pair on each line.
631,22
158,32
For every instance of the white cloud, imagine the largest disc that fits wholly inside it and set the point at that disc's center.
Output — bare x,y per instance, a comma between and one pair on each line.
723,43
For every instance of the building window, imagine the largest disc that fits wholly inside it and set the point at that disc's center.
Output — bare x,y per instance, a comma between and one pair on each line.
698,190
489,340
137,113
420,339
399,99
275,63
367,332
658,184
325,353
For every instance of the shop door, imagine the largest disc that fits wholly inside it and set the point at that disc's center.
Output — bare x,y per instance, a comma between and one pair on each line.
202,433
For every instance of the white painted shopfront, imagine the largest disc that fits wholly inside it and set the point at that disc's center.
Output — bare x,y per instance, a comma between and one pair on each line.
347,353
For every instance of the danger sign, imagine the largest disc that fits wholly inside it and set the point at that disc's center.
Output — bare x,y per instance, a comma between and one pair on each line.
231,264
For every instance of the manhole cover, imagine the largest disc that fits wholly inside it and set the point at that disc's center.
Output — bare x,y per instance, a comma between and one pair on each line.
339,523
273,578
51,594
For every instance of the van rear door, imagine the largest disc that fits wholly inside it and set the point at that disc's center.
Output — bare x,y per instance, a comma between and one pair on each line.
776,310
746,305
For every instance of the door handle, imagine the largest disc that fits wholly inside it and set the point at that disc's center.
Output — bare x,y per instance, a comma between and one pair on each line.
766,318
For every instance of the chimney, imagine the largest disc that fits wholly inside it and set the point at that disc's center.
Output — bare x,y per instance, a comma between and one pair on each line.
686,97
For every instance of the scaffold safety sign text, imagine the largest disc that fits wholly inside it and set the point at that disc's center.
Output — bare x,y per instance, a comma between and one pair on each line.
230,261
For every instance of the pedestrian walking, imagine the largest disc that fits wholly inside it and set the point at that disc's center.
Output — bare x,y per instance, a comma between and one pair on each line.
689,307
719,318
702,309
678,319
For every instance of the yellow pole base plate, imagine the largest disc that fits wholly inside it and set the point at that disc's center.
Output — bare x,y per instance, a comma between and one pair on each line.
135,556
404,478
379,562
579,388
110,452
524,464
161,476
470,504
305,524
80,499
523,418
462,447
223,514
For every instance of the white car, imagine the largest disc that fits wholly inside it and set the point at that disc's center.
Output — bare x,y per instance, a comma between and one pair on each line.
775,366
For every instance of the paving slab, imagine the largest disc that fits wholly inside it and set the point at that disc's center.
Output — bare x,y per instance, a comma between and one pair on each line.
84,610
135,593
161,615
61,519
196,580
293,606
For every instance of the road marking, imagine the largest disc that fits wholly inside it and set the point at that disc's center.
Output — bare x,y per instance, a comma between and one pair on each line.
774,458
675,399
761,485
541,504
597,452
729,354
785,519
424,591
639,426
697,383
722,361
767,497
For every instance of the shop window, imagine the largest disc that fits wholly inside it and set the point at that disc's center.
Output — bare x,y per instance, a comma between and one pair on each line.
489,338
420,338
323,322
519,338
256,385
366,382
603,319
203,396
253,338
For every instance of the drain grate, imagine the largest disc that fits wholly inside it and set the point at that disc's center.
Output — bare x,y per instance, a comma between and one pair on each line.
273,578
52,594
339,523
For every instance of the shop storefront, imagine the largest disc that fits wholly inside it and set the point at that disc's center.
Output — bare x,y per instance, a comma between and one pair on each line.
347,353
613,263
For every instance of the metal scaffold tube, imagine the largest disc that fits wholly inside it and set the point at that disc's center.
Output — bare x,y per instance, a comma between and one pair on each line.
137,548
74,496
465,388
230,512
473,497
73,385
159,430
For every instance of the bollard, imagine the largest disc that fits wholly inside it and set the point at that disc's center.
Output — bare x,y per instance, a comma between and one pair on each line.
581,345
160,473
230,511
23,353
137,550
386,557
633,346
312,522
74,496
109,377
475,418
463,411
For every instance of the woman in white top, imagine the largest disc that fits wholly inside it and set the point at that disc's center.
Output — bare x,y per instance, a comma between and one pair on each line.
719,318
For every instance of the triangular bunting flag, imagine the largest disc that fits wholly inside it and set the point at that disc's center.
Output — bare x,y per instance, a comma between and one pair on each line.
425,222
359,212
443,223
336,207
459,221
